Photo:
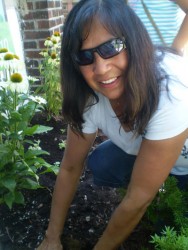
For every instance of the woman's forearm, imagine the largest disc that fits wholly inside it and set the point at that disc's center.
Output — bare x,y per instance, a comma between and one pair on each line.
120,226
181,38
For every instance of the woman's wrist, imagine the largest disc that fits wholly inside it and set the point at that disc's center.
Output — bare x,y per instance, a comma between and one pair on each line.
52,236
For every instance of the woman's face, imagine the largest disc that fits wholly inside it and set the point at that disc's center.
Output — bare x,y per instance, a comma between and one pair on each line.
107,76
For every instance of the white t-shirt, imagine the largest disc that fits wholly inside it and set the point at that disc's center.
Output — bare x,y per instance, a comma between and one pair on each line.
169,120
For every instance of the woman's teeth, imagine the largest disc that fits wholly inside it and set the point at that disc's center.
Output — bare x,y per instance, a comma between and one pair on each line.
109,81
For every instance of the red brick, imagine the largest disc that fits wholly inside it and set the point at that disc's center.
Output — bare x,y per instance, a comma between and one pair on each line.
33,54
43,24
29,25
30,6
30,45
36,34
41,44
41,5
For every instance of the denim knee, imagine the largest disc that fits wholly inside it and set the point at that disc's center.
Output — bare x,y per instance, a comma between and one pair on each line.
110,165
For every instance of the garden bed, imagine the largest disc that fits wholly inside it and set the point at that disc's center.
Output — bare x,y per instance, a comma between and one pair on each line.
23,227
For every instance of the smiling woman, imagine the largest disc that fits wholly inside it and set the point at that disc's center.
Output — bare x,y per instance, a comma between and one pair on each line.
113,79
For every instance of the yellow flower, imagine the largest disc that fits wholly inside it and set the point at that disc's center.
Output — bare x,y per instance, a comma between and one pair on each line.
53,55
55,39
56,33
16,77
10,62
8,56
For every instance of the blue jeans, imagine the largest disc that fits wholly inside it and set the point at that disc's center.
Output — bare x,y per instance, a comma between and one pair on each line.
112,167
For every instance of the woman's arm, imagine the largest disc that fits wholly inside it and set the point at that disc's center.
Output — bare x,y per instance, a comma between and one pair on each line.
152,167
181,38
71,168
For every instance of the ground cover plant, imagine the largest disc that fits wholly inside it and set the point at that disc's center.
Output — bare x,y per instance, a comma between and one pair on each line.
171,239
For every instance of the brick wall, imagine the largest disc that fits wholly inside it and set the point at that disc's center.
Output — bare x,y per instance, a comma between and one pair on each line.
67,6
44,17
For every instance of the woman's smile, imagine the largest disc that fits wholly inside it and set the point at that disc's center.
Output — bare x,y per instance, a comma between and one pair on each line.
111,83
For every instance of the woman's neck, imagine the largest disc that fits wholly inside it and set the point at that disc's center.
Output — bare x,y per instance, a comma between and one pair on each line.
118,106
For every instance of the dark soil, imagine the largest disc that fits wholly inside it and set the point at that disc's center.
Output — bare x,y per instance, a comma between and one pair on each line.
23,227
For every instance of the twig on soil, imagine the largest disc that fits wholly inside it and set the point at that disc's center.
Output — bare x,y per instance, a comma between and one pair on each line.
7,230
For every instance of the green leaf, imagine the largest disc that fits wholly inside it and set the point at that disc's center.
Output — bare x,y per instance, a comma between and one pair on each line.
27,111
32,153
30,184
51,168
6,154
15,116
30,130
9,199
9,183
37,129
22,125
42,129
15,136
19,198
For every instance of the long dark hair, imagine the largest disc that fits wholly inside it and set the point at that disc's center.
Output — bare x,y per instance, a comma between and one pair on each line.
144,74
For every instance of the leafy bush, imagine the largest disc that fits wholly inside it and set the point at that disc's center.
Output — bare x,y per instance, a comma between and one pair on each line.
169,206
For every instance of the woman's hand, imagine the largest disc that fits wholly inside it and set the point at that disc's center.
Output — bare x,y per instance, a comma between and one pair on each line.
48,245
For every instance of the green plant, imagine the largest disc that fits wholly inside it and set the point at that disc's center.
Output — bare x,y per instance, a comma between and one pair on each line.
50,72
21,158
169,206
21,162
171,240
167,211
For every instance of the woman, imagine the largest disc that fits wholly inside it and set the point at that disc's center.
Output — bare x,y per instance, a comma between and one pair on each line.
112,79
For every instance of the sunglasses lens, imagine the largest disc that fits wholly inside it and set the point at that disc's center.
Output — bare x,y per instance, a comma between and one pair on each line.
111,48
105,50
84,57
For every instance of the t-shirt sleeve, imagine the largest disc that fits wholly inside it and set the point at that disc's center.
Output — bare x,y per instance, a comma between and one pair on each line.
89,125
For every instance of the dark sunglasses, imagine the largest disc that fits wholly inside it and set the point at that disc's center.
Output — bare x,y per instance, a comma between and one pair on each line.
105,50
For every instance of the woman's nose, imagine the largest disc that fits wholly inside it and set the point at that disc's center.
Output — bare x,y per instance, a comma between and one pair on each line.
100,65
